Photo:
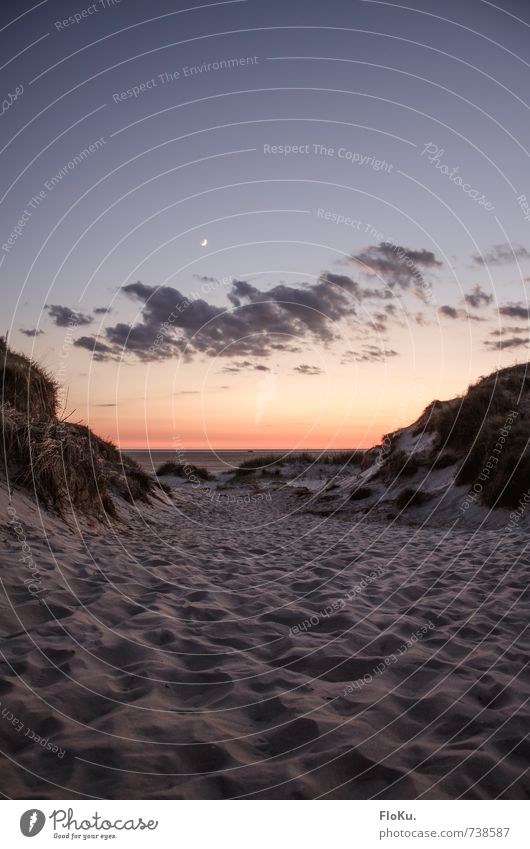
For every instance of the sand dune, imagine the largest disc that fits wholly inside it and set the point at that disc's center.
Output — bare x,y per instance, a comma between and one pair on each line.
204,649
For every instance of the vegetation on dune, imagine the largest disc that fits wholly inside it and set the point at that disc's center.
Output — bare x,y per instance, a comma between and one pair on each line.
485,433
183,470
261,462
272,463
491,421
510,483
360,493
26,386
398,464
65,465
444,459
410,497
343,458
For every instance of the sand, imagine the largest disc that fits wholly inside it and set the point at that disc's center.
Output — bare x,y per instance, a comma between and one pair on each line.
262,648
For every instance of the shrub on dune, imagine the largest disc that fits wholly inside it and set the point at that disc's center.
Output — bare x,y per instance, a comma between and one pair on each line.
65,465
360,493
271,463
398,465
460,421
511,482
183,470
26,386
410,497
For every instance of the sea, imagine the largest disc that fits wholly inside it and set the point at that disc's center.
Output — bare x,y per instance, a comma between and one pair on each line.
213,461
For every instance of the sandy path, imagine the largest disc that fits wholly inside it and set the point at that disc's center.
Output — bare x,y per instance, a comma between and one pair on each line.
210,651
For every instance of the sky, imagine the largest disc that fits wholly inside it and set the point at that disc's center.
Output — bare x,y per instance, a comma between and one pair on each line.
264,225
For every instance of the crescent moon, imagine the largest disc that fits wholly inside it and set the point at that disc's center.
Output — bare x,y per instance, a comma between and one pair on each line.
204,243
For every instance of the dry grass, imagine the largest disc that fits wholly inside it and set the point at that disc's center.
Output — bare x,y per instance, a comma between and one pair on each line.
183,470
410,497
459,422
66,466
26,386
398,465
272,463
360,493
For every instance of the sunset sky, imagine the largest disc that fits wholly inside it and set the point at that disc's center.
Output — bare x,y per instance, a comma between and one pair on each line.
264,224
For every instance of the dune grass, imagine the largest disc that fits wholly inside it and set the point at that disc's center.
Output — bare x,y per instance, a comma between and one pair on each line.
183,470
360,493
26,386
271,463
505,481
411,497
458,423
65,465
398,465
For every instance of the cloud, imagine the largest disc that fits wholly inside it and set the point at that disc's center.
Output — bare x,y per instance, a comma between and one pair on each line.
515,311
105,405
343,281
99,349
101,310
451,312
305,369
508,329
368,354
245,365
503,254
396,265
511,342
173,325
478,298
205,279
65,317
31,333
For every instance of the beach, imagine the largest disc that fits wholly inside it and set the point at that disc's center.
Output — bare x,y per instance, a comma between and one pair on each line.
258,646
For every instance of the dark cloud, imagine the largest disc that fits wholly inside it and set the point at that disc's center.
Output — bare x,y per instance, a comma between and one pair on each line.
368,354
503,254
173,325
295,310
515,311
105,405
101,310
245,365
205,279
508,329
343,281
478,298
99,349
65,317
396,265
31,333
510,342
305,369
451,312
